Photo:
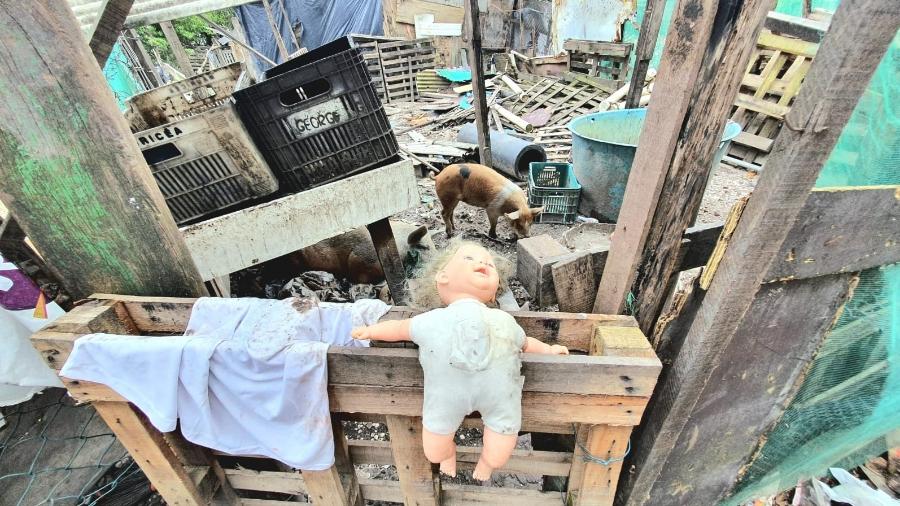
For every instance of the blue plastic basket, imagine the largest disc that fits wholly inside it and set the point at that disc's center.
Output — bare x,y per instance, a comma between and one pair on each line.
554,187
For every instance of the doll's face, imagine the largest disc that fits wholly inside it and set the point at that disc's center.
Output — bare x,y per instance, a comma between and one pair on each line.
471,272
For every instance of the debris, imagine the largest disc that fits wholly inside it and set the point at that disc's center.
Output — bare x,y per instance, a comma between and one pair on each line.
516,121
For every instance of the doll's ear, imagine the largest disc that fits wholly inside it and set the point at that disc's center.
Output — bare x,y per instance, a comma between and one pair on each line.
442,278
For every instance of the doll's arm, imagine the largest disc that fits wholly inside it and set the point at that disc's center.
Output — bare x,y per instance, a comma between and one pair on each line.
532,345
391,330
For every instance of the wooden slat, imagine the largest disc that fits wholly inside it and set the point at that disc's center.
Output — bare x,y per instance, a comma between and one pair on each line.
568,409
592,483
522,461
344,464
108,27
325,488
418,482
266,481
754,141
769,40
151,453
846,229
169,315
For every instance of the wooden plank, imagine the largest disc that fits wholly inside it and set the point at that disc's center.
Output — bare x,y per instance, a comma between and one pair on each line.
806,29
731,222
754,141
276,33
692,161
675,82
181,56
466,495
418,482
344,464
232,242
769,40
598,47
859,35
168,315
473,46
325,488
389,257
761,367
594,483
266,481
119,234
109,25
845,229
151,453
574,282
522,461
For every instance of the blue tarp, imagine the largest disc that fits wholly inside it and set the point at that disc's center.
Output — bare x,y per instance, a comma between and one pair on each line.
321,21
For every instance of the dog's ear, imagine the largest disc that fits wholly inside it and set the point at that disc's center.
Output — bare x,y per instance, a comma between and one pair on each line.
416,236
536,210
513,215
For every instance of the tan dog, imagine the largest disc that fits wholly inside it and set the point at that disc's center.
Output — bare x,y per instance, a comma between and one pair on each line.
352,254
482,186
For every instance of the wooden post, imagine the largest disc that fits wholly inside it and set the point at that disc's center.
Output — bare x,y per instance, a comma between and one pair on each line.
473,37
701,70
181,56
282,49
417,480
389,256
287,19
601,449
324,487
646,45
70,170
144,58
109,25
716,342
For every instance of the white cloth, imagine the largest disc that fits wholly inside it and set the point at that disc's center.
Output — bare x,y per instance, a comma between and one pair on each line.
249,377
22,371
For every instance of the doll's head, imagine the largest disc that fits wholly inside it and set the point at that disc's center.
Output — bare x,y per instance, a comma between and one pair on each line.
462,270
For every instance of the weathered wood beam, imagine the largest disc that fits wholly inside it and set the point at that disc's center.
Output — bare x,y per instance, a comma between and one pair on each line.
70,170
860,32
646,45
473,40
843,229
181,56
108,27
674,85
727,52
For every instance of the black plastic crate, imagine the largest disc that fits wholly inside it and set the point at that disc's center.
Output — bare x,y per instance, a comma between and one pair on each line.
318,119
554,187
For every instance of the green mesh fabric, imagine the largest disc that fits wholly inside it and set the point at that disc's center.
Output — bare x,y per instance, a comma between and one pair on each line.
850,398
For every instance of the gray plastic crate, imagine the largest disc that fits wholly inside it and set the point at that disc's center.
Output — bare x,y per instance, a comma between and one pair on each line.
197,148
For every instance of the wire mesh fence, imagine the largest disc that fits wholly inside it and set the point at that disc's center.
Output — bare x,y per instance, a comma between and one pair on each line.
54,451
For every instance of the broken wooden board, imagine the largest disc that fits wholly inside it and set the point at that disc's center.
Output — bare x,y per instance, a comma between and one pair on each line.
575,283
535,259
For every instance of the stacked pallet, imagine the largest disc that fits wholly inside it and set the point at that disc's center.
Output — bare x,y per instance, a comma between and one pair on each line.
400,62
774,75
393,64
368,44
606,62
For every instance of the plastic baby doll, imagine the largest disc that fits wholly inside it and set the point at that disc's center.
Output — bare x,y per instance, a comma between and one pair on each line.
470,355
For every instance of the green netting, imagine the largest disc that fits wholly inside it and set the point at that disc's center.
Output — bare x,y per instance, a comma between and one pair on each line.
850,397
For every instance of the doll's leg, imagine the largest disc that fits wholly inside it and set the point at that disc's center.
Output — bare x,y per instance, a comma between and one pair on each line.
440,449
496,451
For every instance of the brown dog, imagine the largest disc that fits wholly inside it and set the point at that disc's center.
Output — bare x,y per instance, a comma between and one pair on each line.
482,186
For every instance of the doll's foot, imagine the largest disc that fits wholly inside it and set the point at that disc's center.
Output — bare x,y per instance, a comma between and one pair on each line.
482,471
448,466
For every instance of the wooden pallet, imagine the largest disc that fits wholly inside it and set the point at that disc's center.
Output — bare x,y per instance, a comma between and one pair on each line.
556,141
564,98
384,384
400,62
369,46
774,75
607,62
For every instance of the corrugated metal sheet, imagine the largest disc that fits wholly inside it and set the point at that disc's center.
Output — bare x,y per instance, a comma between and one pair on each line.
148,12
